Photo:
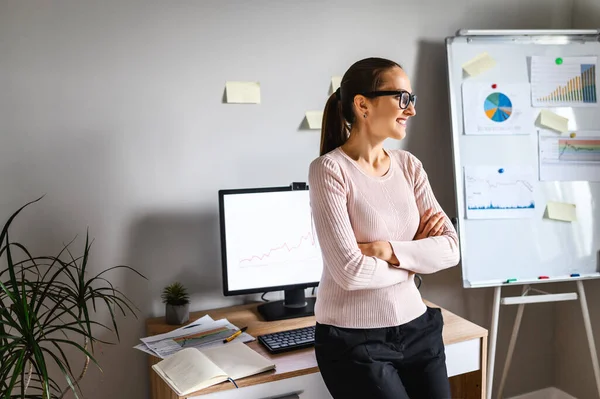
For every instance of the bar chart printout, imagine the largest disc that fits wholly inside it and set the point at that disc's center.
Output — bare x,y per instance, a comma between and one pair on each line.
568,81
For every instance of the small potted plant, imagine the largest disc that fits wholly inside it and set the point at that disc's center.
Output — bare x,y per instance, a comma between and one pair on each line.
177,299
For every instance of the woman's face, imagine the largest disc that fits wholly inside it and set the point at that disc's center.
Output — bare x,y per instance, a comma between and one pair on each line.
385,118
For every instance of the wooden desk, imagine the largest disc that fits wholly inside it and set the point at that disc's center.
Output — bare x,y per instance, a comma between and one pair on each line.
466,349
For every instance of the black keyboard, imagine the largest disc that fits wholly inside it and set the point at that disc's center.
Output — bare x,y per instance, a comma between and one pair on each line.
282,341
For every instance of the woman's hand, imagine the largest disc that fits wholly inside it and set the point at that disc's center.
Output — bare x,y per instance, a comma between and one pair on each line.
432,224
379,249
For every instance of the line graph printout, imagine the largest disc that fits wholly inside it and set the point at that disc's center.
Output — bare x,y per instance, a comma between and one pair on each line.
566,158
563,82
496,108
270,240
499,192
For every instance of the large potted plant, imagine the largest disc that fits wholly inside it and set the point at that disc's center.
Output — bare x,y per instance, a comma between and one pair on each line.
47,304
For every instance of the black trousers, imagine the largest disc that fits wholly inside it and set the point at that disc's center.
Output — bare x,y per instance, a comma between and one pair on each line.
402,362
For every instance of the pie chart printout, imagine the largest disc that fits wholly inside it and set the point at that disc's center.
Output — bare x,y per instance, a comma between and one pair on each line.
498,107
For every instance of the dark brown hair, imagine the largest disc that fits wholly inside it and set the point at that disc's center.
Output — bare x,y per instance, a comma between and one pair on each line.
363,76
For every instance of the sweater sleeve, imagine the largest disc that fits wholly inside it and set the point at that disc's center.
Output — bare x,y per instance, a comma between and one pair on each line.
342,257
431,254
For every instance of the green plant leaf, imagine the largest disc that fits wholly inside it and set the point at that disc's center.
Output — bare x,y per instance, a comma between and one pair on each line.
40,364
12,282
118,303
8,336
112,317
13,216
66,373
16,375
124,267
51,328
4,237
35,378
58,307
20,263
59,272
9,364
75,344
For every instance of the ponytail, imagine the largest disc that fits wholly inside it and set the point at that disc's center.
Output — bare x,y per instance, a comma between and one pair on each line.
362,76
333,131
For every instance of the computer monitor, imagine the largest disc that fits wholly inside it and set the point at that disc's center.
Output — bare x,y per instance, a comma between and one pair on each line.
268,243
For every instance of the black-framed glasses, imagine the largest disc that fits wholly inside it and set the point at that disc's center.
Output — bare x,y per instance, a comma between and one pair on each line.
404,97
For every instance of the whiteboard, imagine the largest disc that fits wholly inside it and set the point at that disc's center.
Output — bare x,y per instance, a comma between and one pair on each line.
520,244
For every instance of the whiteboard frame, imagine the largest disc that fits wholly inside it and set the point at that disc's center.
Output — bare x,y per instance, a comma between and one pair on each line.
541,36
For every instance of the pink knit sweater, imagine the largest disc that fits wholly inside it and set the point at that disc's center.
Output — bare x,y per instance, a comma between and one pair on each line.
350,206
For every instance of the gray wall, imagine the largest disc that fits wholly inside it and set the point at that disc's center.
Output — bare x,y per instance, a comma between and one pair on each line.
113,110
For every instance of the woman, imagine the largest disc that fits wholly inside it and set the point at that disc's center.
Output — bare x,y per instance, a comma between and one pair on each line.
378,223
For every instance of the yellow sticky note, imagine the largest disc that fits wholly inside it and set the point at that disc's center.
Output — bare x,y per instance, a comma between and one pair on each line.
561,211
336,82
479,64
314,119
553,121
242,92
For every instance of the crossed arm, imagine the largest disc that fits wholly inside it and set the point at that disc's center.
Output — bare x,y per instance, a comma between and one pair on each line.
431,225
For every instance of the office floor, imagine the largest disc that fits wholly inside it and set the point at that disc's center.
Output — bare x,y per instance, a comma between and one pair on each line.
546,393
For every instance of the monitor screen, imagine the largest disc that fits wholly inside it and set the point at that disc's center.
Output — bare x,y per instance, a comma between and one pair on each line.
268,241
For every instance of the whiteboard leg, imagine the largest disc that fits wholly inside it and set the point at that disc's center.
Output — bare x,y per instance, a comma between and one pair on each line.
511,346
493,338
588,330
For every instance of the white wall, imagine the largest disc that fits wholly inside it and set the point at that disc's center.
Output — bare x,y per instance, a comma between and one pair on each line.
113,110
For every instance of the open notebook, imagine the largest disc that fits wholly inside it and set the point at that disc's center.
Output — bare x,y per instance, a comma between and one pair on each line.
191,369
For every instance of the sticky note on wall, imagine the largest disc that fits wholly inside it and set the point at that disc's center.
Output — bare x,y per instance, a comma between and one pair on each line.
336,82
561,211
479,64
242,92
314,119
553,121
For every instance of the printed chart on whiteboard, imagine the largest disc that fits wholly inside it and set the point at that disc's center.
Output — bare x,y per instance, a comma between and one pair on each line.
566,158
568,81
495,108
499,192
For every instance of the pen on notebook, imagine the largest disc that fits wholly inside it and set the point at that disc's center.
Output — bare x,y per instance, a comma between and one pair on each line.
235,334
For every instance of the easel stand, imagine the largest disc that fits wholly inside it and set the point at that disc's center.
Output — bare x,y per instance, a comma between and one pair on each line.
521,301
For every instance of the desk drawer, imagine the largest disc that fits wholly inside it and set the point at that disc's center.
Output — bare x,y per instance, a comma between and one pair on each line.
463,357
310,386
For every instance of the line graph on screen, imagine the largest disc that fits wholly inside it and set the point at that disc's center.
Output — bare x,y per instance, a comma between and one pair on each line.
302,249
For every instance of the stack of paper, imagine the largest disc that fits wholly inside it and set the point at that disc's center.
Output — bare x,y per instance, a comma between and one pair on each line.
202,333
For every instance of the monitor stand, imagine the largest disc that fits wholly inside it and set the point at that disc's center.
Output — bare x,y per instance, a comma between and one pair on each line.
294,305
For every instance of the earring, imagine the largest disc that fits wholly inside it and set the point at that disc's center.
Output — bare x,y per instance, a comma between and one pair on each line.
364,115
